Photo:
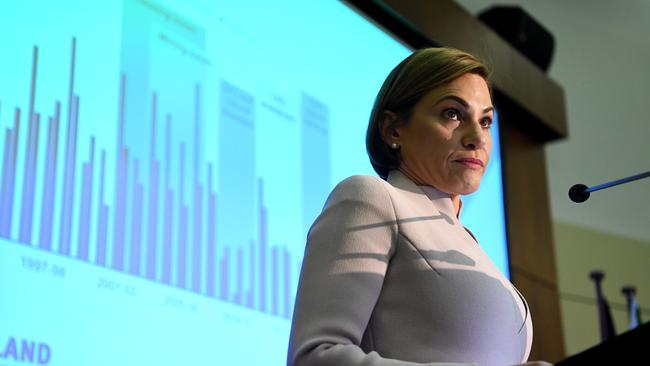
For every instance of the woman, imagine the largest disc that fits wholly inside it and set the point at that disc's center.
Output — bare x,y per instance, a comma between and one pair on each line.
390,276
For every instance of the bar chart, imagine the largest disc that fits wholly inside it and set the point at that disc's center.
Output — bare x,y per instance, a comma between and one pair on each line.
153,229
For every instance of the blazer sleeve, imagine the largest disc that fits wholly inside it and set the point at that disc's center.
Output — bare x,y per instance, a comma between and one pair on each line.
349,247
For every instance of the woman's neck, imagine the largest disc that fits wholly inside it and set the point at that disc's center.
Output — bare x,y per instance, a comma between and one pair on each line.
455,198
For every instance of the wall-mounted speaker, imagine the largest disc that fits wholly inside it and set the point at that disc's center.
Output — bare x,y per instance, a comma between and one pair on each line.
523,32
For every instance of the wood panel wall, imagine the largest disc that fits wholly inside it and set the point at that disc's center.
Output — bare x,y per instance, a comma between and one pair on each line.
530,237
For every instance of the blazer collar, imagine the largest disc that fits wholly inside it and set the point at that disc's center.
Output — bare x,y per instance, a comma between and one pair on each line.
440,200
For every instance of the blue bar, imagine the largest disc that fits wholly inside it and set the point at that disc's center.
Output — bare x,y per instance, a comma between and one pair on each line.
102,216
49,182
69,180
86,204
136,223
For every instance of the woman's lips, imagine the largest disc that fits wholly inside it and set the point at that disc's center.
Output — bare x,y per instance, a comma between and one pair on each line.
472,163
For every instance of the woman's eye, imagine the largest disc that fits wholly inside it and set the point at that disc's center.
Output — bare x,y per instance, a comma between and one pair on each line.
486,122
452,113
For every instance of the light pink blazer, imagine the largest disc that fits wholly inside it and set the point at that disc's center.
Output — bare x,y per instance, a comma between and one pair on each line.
391,278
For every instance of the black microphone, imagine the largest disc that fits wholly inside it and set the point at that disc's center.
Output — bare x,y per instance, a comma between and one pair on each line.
580,192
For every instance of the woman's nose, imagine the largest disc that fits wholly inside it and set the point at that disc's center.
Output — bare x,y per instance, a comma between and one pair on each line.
473,136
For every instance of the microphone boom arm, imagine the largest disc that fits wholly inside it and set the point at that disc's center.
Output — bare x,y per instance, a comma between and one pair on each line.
580,192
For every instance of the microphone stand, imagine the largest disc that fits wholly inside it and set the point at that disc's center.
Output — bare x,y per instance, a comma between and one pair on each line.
580,192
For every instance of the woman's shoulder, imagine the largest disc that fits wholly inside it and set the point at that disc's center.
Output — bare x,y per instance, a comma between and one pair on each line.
360,186
361,183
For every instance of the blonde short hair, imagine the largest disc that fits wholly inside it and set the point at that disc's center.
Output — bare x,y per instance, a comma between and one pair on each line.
415,76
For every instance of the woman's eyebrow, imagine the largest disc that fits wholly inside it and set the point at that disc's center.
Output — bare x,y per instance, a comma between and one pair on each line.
462,102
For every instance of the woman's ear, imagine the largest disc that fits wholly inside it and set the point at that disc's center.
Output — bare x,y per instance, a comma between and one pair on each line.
389,124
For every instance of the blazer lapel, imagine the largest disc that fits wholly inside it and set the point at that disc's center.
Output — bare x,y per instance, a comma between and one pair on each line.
424,200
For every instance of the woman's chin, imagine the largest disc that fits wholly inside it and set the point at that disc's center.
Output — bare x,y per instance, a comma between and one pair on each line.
466,188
